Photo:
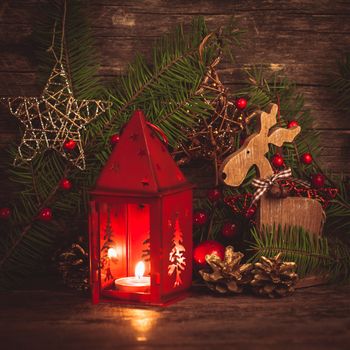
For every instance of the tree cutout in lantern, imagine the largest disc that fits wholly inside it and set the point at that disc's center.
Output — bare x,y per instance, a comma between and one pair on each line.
138,195
177,255
108,252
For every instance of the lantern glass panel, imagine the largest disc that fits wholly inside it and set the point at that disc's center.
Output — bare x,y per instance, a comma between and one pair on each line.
124,243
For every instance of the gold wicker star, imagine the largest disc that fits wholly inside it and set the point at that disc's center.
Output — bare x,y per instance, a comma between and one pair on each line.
53,119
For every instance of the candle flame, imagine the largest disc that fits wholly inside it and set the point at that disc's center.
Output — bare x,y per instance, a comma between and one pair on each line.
112,253
139,269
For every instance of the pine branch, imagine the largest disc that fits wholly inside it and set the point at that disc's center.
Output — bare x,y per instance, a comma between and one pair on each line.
171,83
27,240
341,83
24,231
313,254
34,184
152,79
264,88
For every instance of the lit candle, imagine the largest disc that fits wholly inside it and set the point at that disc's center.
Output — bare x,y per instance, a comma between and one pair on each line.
137,284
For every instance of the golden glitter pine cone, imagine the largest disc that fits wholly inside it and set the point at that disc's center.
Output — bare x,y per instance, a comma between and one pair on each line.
73,265
274,278
228,275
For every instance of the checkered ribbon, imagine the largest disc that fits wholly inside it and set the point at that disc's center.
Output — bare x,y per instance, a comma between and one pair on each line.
262,185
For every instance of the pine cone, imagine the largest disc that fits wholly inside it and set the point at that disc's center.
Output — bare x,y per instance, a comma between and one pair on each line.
73,265
273,277
228,276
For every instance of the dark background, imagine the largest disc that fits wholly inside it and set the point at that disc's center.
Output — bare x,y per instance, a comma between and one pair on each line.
304,38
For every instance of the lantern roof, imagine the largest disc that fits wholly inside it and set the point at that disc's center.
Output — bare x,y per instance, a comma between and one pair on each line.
140,163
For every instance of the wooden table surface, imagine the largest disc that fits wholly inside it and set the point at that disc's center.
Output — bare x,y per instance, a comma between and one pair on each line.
313,318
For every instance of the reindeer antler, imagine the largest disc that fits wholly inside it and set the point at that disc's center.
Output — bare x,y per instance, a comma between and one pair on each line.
268,119
236,166
279,135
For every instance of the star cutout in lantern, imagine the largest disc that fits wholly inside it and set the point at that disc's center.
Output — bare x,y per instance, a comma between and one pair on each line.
54,118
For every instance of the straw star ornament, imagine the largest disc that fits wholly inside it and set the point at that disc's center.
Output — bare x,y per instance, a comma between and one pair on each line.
54,120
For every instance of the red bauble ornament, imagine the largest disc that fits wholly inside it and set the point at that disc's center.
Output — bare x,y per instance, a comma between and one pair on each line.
45,214
229,230
292,124
200,218
5,213
306,158
241,103
250,212
114,139
317,180
214,195
277,160
69,145
65,184
205,248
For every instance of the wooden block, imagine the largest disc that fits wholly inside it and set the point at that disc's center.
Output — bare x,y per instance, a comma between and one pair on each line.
291,211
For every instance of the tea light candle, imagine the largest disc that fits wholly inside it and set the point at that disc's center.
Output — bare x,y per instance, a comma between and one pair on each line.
136,284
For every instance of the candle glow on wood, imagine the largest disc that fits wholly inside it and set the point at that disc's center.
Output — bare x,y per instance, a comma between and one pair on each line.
136,284
142,321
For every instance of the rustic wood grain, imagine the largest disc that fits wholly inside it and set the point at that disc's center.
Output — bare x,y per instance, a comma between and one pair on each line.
291,211
301,38
313,318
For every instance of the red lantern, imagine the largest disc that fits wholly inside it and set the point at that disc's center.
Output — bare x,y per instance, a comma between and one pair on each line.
140,222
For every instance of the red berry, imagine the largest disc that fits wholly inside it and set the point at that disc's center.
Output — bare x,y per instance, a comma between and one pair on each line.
229,230
292,124
45,214
241,103
250,212
5,213
207,248
214,195
306,158
69,145
317,180
277,160
114,139
65,184
200,218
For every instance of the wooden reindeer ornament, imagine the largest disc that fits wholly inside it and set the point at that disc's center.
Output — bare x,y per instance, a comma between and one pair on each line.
291,211
235,167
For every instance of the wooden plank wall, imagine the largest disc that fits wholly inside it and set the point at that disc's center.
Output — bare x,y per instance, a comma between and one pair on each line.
305,38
